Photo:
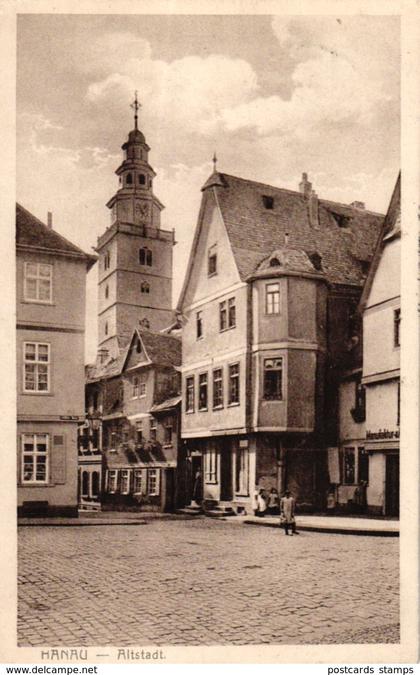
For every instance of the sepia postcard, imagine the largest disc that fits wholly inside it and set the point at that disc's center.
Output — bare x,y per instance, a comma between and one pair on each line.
210,332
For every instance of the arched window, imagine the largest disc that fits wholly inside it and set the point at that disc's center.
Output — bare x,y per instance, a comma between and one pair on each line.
145,287
145,256
142,179
95,483
275,262
129,179
106,291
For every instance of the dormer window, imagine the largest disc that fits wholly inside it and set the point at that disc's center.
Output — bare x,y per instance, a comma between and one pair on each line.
145,256
341,220
212,261
142,179
275,262
268,202
129,179
315,259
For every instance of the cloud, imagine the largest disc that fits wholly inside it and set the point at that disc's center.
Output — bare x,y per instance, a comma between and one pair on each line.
185,93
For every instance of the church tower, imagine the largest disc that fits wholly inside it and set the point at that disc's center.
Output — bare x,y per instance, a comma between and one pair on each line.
135,254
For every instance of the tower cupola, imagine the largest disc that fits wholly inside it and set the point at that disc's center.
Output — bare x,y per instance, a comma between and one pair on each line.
134,202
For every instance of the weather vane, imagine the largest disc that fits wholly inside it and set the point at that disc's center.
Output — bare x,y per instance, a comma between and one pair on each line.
135,105
214,160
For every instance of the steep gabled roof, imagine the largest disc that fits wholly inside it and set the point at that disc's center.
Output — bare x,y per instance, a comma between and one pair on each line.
391,228
32,232
254,231
162,349
344,238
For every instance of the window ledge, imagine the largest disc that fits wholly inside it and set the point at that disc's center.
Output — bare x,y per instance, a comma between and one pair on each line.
37,393
25,301
189,412
233,405
203,410
224,330
213,274
218,407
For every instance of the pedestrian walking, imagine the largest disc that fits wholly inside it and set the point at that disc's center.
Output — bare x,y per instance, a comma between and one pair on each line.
287,513
273,502
198,487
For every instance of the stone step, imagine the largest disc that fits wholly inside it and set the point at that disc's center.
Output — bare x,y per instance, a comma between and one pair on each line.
190,510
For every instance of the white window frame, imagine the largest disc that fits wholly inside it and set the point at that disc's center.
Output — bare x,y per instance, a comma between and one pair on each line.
218,406
142,387
190,385
153,428
153,482
38,278
36,363
237,377
112,481
35,454
231,304
139,427
125,475
139,481
203,381
210,465
135,387
272,299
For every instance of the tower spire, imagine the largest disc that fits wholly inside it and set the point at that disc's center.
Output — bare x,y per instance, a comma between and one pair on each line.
214,160
135,105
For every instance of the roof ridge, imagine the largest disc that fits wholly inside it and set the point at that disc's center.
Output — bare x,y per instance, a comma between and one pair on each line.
296,192
60,236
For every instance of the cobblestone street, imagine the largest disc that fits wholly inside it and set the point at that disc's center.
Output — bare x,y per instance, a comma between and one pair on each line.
201,582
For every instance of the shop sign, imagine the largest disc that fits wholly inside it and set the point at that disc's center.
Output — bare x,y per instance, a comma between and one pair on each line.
382,434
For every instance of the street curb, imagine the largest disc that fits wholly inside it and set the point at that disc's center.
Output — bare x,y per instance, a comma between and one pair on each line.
331,530
83,523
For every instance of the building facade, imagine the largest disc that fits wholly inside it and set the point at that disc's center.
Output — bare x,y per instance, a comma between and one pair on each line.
135,400
50,308
381,311
267,305
135,253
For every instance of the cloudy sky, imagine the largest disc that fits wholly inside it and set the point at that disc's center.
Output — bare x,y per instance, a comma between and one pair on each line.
273,96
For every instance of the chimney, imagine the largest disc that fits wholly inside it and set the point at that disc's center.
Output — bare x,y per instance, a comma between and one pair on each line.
305,187
313,210
358,205
49,219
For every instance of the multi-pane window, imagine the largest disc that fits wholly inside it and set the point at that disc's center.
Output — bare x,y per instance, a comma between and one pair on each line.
231,313
199,325
139,432
153,476
145,256
125,481
210,466
38,282
145,287
139,481
273,369
218,388
135,387
272,299
202,391
363,466
142,388
234,383
397,324
348,466
35,458
189,398
36,366
168,432
212,261
241,473
153,429
112,482
222,315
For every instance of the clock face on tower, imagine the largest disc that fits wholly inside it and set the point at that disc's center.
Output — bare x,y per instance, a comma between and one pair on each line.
142,209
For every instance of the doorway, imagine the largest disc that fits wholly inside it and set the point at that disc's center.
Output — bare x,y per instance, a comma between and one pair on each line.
392,486
226,487
195,479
